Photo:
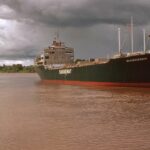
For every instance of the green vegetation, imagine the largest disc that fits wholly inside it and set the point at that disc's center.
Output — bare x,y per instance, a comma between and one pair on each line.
17,68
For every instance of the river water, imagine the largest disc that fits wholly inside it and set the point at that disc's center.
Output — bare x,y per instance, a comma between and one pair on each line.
38,116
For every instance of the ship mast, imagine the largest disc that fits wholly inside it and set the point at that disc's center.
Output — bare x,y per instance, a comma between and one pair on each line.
144,41
132,40
119,43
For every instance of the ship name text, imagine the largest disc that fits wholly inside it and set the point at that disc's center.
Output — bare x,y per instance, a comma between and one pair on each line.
65,71
136,59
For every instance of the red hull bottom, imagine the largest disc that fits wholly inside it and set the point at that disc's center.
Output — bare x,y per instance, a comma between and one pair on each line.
86,83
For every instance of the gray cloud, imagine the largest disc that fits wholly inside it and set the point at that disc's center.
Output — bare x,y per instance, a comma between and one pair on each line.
86,13
26,26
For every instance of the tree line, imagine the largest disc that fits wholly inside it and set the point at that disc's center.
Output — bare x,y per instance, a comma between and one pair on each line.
16,68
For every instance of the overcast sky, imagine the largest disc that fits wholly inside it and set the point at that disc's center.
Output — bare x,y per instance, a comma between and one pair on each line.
89,26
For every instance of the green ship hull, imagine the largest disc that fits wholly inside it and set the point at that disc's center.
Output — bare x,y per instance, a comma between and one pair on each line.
123,71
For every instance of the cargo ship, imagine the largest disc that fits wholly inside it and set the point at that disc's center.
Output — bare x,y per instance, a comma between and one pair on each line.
57,65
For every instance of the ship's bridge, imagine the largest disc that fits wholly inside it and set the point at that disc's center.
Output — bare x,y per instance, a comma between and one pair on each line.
58,53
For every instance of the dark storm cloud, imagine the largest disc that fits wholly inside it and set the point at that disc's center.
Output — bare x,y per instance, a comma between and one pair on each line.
26,26
86,13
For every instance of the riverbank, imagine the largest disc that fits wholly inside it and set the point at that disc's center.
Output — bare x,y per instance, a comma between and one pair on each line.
17,68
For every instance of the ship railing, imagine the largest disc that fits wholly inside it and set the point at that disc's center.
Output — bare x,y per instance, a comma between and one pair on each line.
73,65
54,66
148,51
88,63
137,53
123,55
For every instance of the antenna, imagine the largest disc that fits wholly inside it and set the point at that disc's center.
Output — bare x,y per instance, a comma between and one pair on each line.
132,40
57,35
